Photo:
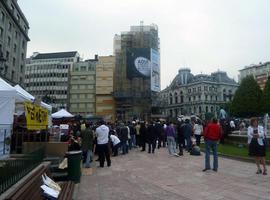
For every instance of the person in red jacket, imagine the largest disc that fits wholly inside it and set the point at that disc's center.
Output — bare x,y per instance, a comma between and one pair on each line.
212,135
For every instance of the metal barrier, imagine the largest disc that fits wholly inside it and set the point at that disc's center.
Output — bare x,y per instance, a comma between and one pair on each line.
13,169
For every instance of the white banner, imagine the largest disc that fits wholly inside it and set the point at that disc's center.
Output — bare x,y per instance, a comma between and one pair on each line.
155,71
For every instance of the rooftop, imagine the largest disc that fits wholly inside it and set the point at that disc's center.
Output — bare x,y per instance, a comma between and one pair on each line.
68,54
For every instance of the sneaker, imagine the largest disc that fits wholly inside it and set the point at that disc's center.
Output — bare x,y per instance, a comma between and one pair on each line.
204,170
176,155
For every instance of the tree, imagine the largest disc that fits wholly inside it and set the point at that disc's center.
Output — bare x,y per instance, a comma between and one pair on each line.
246,101
265,101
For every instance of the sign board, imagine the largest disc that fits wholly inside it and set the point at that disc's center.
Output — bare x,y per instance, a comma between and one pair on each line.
144,63
155,71
36,116
138,63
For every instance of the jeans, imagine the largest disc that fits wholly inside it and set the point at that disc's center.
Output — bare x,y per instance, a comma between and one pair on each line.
124,147
189,143
88,158
115,149
151,146
210,144
171,145
198,139
103,152
133,140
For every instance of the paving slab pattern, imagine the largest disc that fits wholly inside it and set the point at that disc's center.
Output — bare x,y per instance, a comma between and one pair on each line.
159,176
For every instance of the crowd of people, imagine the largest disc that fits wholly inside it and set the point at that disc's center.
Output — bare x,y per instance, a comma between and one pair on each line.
107,139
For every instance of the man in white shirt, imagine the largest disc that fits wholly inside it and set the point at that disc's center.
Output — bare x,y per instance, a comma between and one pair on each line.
116,144
102,133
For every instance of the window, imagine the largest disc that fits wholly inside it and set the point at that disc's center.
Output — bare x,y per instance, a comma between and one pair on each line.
14,61
206,97
12,8
83,68
189,90
23,43
199,88
194,98
6,69
7,56
189,99
21,68
205,88
18,18
2,16
8,41
12,75
22,56
1,32
16,34
182,99
15,48
206,109
9,26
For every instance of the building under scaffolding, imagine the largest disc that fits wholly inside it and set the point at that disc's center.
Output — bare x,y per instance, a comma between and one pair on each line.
132,93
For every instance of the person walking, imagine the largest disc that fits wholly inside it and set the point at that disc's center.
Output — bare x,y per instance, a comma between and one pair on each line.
211,136
187,129
198,131
158,129
123,136
256,141
143,133
87,144
151,138
171,134
102,133
116,144
180,137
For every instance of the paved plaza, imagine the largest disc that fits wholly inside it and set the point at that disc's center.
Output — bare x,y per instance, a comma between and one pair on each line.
139,176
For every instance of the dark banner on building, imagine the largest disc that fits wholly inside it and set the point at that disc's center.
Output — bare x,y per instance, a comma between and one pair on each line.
138,62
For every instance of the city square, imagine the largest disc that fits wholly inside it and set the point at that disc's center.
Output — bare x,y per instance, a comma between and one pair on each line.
134,99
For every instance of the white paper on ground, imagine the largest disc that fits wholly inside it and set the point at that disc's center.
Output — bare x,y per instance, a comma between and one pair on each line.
50,191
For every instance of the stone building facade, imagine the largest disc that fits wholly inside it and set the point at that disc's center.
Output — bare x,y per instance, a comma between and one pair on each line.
133,95
82,91
105,104
261,73
13,42
47,75
200,94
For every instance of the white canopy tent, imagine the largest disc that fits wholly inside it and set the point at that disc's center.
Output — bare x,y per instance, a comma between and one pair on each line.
7,102
7,108
26,95
62,114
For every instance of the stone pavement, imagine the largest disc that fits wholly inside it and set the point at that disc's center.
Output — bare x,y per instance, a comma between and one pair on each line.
139,176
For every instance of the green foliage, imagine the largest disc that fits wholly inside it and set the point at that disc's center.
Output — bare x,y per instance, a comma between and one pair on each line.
265,101
246,102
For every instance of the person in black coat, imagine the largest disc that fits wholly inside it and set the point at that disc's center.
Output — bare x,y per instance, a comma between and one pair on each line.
180,137
158,129
151,138
143,133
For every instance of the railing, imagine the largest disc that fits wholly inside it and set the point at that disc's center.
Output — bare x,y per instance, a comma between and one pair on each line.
13,169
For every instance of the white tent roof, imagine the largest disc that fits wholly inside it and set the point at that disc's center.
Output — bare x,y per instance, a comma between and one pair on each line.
27,96
7,102
6,90
61,114
23,93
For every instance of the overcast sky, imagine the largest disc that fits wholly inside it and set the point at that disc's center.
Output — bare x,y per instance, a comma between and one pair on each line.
204,35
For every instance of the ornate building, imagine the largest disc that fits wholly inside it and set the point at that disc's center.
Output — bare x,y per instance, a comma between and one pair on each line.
13,42
196,94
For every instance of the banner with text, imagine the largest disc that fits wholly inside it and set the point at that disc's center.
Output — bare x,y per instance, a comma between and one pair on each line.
155,71
36,116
